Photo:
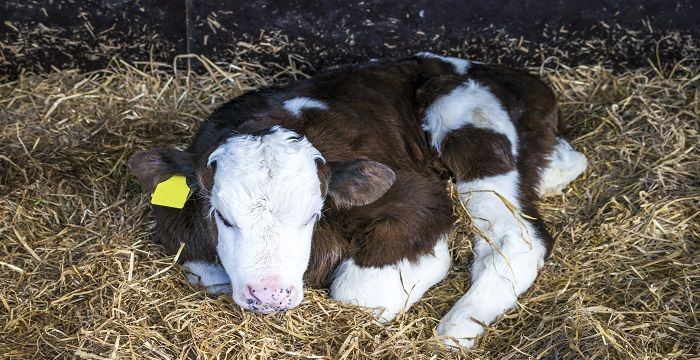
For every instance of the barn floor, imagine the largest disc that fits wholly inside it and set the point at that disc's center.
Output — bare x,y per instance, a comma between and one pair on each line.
80,277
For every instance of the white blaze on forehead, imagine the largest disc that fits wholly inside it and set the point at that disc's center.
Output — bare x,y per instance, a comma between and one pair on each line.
269,176
461,65
298,104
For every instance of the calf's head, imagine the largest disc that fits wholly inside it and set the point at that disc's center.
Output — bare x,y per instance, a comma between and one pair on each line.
265,194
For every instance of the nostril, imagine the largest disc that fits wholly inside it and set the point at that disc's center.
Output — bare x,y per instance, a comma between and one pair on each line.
251,293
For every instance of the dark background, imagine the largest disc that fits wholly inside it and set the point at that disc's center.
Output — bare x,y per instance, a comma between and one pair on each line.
38,35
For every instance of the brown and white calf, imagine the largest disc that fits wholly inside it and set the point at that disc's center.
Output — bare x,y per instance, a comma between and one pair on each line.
340,181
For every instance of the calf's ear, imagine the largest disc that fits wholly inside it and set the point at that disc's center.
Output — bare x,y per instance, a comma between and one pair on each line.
155,166
358,182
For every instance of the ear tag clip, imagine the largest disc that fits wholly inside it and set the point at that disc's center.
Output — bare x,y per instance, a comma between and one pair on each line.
172,192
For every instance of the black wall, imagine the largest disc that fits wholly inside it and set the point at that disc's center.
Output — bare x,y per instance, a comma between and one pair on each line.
35,35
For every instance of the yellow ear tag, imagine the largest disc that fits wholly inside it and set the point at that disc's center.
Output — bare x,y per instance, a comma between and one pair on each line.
171,193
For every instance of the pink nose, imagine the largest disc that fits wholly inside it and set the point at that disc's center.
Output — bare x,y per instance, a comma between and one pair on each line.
268,297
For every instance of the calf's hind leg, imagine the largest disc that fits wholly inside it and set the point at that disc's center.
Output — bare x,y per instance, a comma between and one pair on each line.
507,257
479,143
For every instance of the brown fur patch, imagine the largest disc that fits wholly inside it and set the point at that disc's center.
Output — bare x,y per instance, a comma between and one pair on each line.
472,152
404,224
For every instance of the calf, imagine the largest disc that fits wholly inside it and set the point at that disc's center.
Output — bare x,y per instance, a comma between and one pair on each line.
340,181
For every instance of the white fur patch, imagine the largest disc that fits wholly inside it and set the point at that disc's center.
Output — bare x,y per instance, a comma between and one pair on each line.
212,276
468,104
267,188
461,66
565,165
505,264
390,289
298,104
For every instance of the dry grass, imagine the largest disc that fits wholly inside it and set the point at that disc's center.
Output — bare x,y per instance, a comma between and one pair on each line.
81,278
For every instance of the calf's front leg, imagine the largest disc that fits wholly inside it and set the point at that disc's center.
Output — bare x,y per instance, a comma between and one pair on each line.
210,275
399,248
390,289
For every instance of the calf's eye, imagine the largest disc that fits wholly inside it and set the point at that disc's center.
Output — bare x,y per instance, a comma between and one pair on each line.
226,223
313,218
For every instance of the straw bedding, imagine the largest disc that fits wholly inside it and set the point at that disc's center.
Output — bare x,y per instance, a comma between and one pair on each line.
81,278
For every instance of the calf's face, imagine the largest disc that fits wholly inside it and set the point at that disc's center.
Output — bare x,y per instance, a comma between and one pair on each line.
266,193
265,199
